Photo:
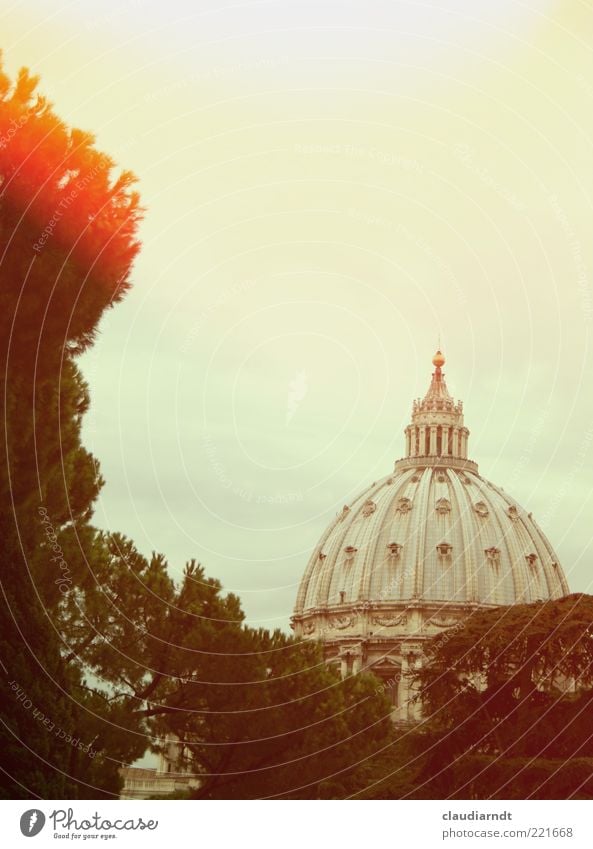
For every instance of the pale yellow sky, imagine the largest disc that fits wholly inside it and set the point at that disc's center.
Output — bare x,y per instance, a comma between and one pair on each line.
330,186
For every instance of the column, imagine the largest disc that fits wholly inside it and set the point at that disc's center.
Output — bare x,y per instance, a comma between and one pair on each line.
422,451
464,435
456,451
344,666
445,449
433,440
403,693
408,442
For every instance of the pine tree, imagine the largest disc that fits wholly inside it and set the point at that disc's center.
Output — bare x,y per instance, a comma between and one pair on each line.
259,714
67,242
508,701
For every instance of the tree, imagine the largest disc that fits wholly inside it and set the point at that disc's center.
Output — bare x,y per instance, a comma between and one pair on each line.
508,699
67,242
258,714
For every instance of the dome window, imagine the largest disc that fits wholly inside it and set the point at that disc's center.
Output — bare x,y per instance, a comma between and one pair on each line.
344,513
443,506
444,548
369,508
531,559
493,556
513,513
481,509
394,549
350,551
404,505
322,556
342,596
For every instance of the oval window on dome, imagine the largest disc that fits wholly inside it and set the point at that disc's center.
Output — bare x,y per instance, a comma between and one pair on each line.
481,509
493,556
404,505
443,505
369,508
531,559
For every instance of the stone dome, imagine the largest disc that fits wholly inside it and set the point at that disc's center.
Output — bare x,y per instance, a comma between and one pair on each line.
417,551
440,533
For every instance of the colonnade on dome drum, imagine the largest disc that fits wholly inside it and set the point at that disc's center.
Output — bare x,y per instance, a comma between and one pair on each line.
436,441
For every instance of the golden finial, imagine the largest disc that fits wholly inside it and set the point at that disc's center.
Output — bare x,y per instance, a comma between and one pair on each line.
438,360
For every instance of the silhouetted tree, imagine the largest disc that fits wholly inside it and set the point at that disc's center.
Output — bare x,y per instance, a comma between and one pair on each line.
67,242
508,700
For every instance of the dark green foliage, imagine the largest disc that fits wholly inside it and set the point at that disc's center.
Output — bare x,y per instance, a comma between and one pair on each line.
259,714
390,773
66,246
509,701
523,778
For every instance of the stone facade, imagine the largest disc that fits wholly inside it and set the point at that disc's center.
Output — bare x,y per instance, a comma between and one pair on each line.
170,776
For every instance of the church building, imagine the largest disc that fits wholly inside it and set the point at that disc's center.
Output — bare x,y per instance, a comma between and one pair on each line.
417,552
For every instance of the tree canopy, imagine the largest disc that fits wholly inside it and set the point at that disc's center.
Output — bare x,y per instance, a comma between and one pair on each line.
258,713
67,242
508,700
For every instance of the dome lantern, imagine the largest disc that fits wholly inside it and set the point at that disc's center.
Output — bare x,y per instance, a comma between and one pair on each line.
436,431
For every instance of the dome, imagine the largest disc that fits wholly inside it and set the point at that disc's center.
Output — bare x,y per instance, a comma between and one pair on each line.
437,533
418,551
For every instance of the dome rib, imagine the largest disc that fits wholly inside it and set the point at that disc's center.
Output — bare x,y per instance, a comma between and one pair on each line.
420,504
503,581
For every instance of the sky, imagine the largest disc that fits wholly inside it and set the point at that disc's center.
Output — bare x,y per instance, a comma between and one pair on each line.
331,188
